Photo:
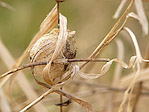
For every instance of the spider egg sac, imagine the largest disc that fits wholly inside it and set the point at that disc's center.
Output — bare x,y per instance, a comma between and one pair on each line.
43,50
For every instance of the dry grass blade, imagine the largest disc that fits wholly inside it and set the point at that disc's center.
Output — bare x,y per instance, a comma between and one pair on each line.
110,34
62,37
147,61
140,84
118,69
21,79
4,105
83,103
37,100
103,44
117,74
140,12
125,81
130,80
49,22
133,37
119,9
142,16
3,4
131,86
107,66
133,15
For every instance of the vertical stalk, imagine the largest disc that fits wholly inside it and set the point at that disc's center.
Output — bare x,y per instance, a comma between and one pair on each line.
140,84
58,12
61,100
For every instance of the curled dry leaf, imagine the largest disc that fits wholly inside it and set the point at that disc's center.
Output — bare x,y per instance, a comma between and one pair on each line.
107,66
133,37
140,11
133,15
136,63
54,45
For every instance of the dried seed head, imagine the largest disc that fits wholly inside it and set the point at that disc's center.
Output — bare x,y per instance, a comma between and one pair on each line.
44,48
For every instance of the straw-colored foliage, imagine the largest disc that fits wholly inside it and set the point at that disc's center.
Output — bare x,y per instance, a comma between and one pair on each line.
55,68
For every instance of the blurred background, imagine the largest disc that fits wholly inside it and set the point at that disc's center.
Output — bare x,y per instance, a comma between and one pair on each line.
92,20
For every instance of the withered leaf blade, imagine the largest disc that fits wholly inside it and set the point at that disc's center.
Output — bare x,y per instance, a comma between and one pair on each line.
107,66
85,104
62,37
136,45
49,22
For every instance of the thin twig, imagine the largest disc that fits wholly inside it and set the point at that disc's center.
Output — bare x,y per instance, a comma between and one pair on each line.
56,61
60,92
96,89
58,12
89,60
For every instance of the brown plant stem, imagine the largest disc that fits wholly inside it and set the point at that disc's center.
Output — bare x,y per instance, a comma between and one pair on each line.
61,100
58,12
108,36
111,35
136,99
60,92
56,61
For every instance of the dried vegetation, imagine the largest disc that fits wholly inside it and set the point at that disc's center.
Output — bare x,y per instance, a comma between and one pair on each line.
52,53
